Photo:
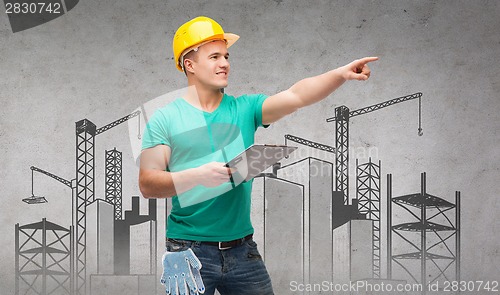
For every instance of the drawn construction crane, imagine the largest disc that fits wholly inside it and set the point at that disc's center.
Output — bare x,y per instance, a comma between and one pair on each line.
85,154
40,199
342,116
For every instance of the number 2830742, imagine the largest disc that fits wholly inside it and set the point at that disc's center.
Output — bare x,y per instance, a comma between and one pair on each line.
33,8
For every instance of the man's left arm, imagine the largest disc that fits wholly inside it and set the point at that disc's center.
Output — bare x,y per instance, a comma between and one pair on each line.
313,89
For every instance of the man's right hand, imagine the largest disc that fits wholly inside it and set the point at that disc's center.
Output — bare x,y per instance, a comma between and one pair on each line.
213,174
156,182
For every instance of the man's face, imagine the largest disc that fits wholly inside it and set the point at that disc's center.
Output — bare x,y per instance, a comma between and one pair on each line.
211,65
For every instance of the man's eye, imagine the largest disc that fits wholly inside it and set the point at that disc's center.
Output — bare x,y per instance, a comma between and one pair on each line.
213,57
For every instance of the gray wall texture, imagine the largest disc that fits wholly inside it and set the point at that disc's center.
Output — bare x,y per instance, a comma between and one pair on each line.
103,59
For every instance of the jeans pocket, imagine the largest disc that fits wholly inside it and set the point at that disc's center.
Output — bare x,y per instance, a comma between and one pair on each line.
253,252
176,246
251,243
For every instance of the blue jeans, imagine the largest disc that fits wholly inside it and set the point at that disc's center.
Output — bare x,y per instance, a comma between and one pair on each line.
235,271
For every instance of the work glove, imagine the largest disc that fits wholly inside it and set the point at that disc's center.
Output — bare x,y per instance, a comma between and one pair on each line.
181,273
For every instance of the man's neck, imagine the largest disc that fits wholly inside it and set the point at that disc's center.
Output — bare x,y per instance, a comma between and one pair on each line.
205,99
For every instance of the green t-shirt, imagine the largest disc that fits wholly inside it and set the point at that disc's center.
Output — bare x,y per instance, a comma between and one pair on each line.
196,138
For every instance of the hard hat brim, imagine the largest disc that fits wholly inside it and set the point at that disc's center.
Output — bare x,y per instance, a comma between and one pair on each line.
230,39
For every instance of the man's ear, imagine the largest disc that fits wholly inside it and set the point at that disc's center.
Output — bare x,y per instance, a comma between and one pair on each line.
188,66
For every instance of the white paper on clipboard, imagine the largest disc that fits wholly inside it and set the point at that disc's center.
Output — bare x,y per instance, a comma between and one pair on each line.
255,159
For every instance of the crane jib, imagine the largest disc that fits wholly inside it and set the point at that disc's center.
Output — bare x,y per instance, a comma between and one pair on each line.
117,122
379,106
60,179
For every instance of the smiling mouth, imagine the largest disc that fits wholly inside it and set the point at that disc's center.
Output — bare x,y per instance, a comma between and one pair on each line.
223,73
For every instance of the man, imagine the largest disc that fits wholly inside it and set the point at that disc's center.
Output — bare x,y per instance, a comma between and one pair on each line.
185,147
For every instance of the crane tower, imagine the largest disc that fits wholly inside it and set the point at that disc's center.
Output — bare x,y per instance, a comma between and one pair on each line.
86,132
341,119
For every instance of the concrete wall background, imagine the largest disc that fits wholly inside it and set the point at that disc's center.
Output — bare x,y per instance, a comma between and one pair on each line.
103,59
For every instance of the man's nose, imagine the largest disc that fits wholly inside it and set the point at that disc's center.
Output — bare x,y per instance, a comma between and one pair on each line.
224,63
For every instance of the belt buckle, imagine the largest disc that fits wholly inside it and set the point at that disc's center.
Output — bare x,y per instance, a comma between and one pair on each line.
223,248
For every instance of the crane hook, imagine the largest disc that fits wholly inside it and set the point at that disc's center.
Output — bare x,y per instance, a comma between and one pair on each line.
139,126
420,132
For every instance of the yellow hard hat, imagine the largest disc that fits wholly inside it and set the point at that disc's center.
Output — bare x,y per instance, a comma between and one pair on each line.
197,31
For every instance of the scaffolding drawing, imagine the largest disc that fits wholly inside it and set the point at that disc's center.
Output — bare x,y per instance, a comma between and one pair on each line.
368,192
430,251
44,258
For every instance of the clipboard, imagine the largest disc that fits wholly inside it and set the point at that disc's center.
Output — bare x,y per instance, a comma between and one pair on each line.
255,159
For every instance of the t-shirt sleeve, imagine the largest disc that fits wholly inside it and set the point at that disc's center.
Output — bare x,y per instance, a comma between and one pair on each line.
156,131
257,100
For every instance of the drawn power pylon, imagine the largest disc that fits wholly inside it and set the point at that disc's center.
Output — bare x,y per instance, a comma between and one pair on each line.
342,116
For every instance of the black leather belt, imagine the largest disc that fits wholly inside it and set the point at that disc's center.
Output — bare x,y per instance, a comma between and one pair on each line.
221,245
229,244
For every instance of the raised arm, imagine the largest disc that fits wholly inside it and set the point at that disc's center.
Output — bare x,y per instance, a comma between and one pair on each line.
313,89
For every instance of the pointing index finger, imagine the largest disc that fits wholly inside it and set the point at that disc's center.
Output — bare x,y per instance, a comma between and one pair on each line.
366,60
